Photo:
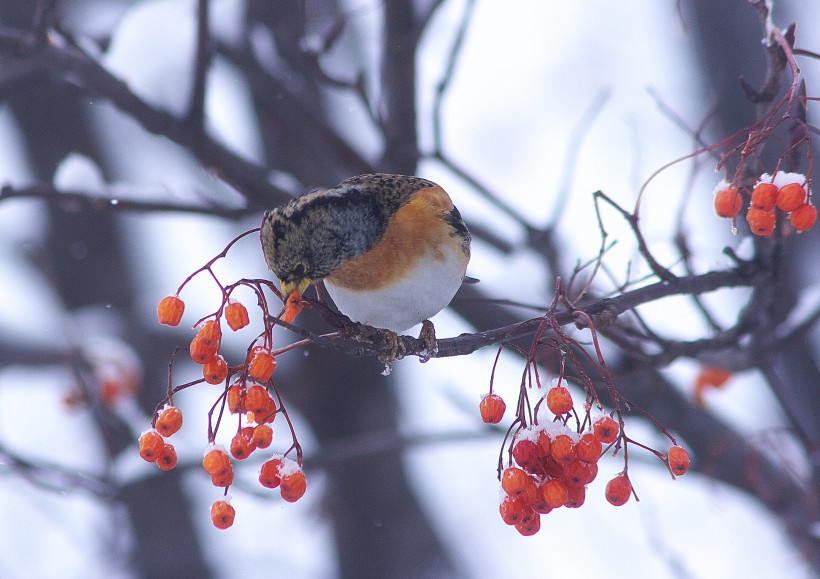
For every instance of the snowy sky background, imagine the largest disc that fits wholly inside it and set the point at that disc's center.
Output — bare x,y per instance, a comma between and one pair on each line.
509,127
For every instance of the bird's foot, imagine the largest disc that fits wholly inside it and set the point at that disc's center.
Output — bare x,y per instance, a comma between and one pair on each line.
427,337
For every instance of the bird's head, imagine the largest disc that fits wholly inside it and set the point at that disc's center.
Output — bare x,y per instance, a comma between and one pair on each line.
309,237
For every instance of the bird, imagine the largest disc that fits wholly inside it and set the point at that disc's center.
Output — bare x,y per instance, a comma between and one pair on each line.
391,250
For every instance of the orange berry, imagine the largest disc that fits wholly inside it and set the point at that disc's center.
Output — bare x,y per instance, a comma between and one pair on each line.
606,430
266,413
555,493
709,377
242,443
257,399
512,510
531,526
543,443
576,495
678,460
269,473
215,370
222,514
525,453
559,400
236,399
293,305
618,490
262,436
764,196
293,485
790,197
167,459
514,481
262,364
203,351
236,315
727,202
803,218
562,449
169,421
151,445
217,464
580,473
169,310
760,222
492,408
210,332
589,448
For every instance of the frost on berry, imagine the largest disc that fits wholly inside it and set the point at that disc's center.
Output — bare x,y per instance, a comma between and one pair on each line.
292,483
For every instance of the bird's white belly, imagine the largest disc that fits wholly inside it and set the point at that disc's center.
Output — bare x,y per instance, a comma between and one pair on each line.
420,295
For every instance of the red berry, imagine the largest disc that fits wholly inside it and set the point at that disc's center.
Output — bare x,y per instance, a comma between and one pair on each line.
563,449
555,493
492,408
512,510
151,445
514,481
169,310
222,514
576,495
525,453
531,526
167,459
262,364
236,399
217,464
618,490
678,460
804,217
257,399
606,430
237,316
269,473
262,436
292,485
760,222
727,202
215,370
764,196
544,444
242,443
790,197
203,351
559,400
169,421
589,448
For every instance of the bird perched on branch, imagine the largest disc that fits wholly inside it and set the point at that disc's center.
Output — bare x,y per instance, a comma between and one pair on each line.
392,249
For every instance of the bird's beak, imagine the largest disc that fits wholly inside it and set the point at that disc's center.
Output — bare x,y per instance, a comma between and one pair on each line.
299,286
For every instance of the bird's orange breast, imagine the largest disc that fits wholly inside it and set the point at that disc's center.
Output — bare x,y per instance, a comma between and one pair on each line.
416,231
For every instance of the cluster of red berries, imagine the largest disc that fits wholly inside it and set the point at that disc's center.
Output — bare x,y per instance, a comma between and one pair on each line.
153,447
784,191
247,396
551,465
